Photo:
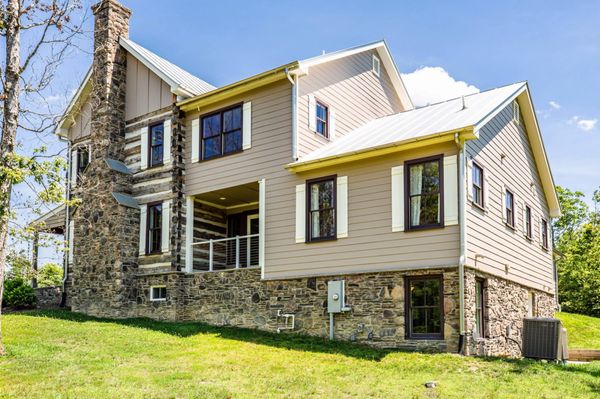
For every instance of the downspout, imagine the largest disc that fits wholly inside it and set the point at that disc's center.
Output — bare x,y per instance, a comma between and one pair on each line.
294,81
63,301
462,222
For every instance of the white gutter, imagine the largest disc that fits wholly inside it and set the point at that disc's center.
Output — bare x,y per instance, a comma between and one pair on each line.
462,222
295,83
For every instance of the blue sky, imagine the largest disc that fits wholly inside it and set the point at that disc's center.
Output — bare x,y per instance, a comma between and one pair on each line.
554,45
454,47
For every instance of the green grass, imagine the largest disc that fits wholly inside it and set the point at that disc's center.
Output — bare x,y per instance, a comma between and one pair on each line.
66,355
583,332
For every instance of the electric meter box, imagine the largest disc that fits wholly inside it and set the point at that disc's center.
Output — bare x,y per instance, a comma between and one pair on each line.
336,301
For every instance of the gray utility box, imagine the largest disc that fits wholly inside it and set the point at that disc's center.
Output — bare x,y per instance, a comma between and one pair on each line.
544,338
336,297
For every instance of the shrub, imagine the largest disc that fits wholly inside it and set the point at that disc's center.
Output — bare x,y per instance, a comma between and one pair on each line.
17,294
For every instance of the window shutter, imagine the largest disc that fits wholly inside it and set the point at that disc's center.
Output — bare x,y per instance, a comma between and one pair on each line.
144,148
469,180
301,213
450,190
332,133
166,222
486,189
74,167
503,203
71,240
196,140
398,198
247,126
342,207
312,113
167,142
143,210
524,218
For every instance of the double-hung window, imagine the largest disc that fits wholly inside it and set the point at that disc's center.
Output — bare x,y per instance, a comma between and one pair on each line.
154,229
477,189
321,201
480,297
528,229
83,160
424,308
509,206
322,116
424,181
222,133
156,147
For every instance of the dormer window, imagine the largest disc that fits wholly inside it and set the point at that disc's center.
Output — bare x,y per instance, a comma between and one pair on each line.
322,119
156,147
376,65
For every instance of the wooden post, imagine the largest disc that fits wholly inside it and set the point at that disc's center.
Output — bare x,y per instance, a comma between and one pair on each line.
34,258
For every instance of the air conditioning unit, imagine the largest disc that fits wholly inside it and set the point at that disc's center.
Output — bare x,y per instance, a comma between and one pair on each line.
544,338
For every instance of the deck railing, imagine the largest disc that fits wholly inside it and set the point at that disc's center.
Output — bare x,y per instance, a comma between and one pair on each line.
226,253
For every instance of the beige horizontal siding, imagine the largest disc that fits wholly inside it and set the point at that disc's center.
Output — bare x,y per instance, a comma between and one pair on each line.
504,151
352,89
371,245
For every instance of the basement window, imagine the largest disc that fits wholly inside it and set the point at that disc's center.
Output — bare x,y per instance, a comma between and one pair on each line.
158,293
424,308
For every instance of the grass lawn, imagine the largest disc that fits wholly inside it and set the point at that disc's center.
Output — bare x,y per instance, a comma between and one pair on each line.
583,332
62,354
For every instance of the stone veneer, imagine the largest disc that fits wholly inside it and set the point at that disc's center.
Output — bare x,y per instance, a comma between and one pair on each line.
239,298
48,297
506,305
106,235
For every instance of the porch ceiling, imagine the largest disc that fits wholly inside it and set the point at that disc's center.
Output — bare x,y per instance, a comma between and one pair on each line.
231,196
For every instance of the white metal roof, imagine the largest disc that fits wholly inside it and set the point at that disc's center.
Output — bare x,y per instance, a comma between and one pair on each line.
419,123
178,78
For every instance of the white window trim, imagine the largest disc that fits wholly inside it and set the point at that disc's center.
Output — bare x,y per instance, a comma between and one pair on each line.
152,299
516,112
376,62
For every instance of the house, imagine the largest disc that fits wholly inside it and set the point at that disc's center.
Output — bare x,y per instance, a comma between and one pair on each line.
236,205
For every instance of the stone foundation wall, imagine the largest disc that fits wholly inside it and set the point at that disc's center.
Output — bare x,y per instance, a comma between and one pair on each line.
48,297
239,298
505,307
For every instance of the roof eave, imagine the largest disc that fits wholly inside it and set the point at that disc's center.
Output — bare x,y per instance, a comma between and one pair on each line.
466,133
62,129
236,88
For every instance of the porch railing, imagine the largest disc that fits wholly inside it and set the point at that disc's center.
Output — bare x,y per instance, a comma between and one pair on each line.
226,253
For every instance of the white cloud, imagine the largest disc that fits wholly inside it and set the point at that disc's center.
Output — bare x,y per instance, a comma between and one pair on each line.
584,124
429,85
554,105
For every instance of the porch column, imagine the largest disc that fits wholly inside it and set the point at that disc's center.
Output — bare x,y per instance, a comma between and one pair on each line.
261,225
189,234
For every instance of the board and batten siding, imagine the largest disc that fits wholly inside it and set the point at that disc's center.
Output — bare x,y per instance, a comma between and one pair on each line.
504,151
349,87
146,92
80,130
370,245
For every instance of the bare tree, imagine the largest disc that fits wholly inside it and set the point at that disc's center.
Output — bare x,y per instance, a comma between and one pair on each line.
28,73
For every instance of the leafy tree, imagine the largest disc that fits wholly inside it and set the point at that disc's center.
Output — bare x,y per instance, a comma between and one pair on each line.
578,242
19,266
50,275
36,36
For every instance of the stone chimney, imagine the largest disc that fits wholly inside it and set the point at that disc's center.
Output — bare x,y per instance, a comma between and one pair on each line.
106,233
